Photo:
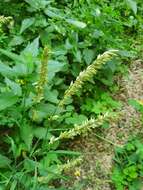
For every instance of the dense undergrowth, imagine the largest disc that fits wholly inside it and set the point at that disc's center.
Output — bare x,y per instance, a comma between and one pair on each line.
44,45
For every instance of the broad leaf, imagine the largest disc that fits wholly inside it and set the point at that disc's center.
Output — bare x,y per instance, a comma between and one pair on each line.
51,95
6,71
32,48
76,23
37,4
88,55
26,23
20,70
13,56
44,111
7,99
26,135
54,13
133,5
14,87
41,133
17,40
53,68
4,161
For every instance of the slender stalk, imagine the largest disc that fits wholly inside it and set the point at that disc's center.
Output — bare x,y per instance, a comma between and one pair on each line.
43,75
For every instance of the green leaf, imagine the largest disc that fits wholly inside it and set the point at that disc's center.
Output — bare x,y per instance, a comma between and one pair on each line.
37,4
49,159
13,185
13,56
76,23
6,71
51,96
17,40
54,13
78,55
7,99
41,133
44,111
4,161
32,48
14,87
53,68
136,105
26,23
20,70
13,147
26,134
76,119
30,165
133,5
88,55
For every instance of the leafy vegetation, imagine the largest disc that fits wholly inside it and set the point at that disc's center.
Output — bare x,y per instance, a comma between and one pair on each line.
44,46
128,171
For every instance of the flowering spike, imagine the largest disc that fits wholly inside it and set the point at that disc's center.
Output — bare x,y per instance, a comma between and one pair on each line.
82,129
5,20
87,74
43,76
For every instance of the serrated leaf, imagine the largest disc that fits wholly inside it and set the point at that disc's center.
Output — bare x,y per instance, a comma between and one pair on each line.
7,99
26,23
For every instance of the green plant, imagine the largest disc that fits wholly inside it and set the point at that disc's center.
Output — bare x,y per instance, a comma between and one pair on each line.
35,118
138,105
128,166
31,118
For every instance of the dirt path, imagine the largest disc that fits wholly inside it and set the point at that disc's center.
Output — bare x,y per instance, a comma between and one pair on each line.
94,173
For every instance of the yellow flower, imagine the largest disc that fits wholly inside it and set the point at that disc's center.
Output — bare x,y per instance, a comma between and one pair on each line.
77,173
20,81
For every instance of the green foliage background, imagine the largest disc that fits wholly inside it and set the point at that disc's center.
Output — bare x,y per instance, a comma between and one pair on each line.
75,32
